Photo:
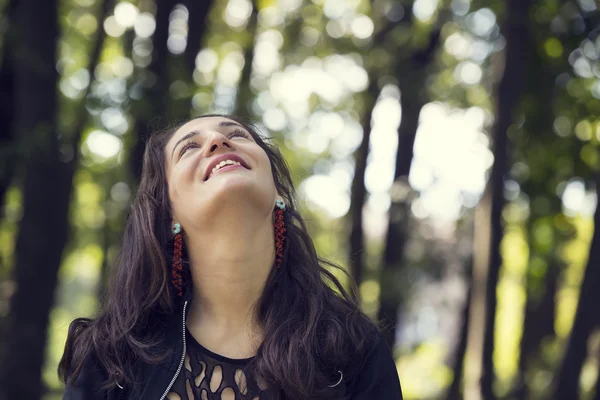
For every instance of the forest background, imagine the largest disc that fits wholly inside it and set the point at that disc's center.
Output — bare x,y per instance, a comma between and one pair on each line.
446,153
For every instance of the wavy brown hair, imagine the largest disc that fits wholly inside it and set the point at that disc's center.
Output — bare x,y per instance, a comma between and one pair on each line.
312,325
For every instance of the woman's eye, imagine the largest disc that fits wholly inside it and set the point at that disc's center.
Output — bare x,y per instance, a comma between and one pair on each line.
186,147
239,133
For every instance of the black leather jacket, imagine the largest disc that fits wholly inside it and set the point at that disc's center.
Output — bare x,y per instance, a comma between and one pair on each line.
377,376
152,382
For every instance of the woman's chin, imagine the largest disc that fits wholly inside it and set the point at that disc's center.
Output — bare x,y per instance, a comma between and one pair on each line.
233,193
228,182
238,190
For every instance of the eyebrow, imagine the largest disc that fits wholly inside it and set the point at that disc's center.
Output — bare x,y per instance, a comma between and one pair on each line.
195,132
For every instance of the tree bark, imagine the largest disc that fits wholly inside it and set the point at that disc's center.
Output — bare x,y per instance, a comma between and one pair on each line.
567,379
244,93
538,324
47,186
8,144
489,230
461,349
155,96
399,214
597,389
540,308
36,255
358,190
179,107
197,27
412,81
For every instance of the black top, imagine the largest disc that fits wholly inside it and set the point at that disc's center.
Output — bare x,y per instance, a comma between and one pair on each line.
207,376
372,376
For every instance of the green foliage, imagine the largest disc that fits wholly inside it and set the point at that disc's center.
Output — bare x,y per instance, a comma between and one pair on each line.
307,91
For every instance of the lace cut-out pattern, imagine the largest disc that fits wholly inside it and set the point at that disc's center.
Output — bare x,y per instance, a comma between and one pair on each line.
210,376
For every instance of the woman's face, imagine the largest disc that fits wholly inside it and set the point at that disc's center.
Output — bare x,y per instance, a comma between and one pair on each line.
197,190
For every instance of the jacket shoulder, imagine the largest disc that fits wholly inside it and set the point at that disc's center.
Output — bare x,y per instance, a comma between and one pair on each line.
378,376
89,381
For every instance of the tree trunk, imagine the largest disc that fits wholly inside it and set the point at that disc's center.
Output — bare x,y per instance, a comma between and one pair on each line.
8,146
155,96
399,214
537,325
47,186
495,197
111,231
540,290
358,190
597,388
107,236
412,81
197,26
179,107
461,349
38,250
488,231
567,379
244,93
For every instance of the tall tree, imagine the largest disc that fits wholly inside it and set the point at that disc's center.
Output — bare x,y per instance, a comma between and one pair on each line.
47,187
8,146
197,27
567,379
412,76
358,191
540,307
488,230
597,389
539,148
179,106
244,93
461,348
37,258
156,100
155,83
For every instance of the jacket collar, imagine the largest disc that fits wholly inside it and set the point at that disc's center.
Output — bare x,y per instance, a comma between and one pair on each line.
154,379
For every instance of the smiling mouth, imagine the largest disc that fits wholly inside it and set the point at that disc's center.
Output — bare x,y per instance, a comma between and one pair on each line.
226,168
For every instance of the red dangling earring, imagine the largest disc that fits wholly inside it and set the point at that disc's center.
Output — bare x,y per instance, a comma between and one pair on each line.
279,232
177,267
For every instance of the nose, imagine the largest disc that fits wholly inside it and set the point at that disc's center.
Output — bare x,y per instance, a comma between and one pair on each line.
217,140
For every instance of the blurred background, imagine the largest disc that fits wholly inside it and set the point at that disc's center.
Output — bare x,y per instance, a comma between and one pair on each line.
446,152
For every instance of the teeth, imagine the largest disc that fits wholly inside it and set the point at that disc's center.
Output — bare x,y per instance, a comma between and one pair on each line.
222,164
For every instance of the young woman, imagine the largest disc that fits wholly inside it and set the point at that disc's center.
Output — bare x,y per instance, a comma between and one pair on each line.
218,292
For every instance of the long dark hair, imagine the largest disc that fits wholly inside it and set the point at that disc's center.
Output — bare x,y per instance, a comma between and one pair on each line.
312,325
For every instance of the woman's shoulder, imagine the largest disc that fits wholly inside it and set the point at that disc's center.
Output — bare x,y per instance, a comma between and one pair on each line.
376,373
93,382
379,350
89,375
372,346
87,381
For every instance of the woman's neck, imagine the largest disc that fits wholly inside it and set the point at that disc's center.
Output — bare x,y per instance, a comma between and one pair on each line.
229,271
237,335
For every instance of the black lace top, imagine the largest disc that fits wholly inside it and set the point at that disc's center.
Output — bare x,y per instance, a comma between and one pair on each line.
207,376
